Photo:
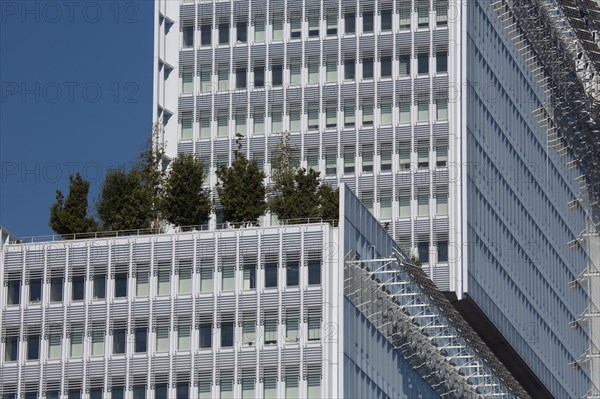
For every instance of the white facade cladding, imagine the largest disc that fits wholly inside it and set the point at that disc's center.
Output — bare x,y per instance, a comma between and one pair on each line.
236,313
426,109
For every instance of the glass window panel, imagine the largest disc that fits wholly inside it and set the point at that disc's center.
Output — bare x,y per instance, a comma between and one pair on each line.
291,330
331,71
386,20
296,28
404,108
386,67
249,277
271,275
386,114
76,343
295,73
313,73
367,114
226,335
183,337
386,205
98,341
276,121
11,349
56,289
442,250
367,158
367,18
314,387
78,288
185,278
228,274
404,12
278,29
442,203
441,156
205,81
442,12
423,64
277,75
259,124
404,65
270,387
141,340
349,160
183,390
259,76
349,23
314,328
164,282
188,36
259,31
226,389
205,35
423,251
331,115
295,120
423,157
205,335
205,128
423,202
404,206
423,13
142,283
423,111
292,273
349,115
240,78
242,32
270,332
349,69
441,106
33,347
249,333
240,124
332,23
187,81
312,159
331,161
386,157
248,388
223,33
186,129
313,24
120,285
367,65
119,341
223,126
313,118
204,390
162,338
35,290
223,76
404,155
441,62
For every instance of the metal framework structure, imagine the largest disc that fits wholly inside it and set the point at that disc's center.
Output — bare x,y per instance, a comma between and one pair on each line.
406,307
560,41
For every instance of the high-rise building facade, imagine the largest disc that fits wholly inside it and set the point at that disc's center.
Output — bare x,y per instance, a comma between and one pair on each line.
269,312
429,111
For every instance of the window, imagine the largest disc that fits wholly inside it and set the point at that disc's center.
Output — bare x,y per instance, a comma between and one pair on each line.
295,73
349,69
313,72
332,22
367,199
386,205
186,128
142,280
270,387
348,159
205,127
295,28
276,121
162,338
404,11
442,156
76,342
423,111
242,32
386,20
204,390
74,394
205,80
442,250
224,34
331,161
205,35
386,114
33,347
185,277
259,31
367,22
14,292
226,334
291,329
259,124
441,109
331,67
139,392
367,158
249,277
78,288
292,273
314,386
240,78
223,75
404,205
331,117
423,251
141,340
386,157
226,390
277,29
97,341
295,120
206,275
55,344
441,62
249,331
349,115
313,119
442,202
314,272
423,13
117,392
386,67
56,289
183,390
313,24
314,327
367,113
119,341
120,285
164,280
423,156
312,159
35,290
183,337
223,125
441,10
423,64
259,76
188,36
205,332
240,123
95,393
367,68
271,274
228,275
404,108
404,155
277,74
187,80
423,202
270,332
349,23
404,65
248,388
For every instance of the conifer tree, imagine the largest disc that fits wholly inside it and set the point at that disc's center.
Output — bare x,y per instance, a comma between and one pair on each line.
70,216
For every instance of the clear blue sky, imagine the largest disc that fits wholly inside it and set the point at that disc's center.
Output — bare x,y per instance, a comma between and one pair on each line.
75,96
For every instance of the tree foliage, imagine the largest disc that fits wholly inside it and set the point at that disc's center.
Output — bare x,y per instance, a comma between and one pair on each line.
150,166
125,202
70,216
186,202
241,190
298,194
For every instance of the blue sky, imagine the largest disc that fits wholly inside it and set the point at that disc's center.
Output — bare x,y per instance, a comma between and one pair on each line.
75,96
